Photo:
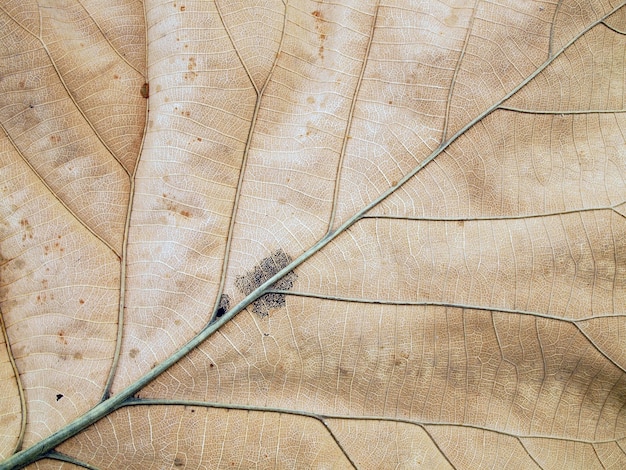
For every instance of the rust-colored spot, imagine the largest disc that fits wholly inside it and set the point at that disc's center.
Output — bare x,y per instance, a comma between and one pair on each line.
211,365
116,76
182,8
185,214
199,139
145,90
55,139
24,222
81,301
317,14
62,339
192,63
78,356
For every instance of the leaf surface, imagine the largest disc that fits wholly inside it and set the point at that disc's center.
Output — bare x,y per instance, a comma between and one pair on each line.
304,234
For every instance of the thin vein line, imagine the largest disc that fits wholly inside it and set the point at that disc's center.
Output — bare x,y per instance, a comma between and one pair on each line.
426,303
257,107
562,113
322,416
346,137
18,382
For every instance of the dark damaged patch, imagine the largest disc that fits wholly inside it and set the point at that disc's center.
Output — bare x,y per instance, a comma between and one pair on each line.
261,273
224,305
145,90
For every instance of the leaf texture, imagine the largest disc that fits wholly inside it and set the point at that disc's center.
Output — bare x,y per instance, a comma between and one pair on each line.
304,234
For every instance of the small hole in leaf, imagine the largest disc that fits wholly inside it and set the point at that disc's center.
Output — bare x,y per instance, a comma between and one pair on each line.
224,305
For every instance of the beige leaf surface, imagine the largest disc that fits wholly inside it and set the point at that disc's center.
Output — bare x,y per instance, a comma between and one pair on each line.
304,234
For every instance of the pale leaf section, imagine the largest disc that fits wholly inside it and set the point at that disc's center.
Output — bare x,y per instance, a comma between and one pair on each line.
503,372
98,77
256,28
10,407
508,41
55,137
617,21
401,108
589,76
520,165
156,437
388,445
558,454
201,105
299,133
122,23
608,334
58,297
467,447
572,17
567,266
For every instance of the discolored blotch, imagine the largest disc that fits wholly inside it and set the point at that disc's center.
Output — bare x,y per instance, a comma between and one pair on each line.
133,353
179,461
267,268
145,90
224,305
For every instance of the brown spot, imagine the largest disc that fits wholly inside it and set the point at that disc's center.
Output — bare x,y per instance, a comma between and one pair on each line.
199,139
177,322
211,365
282,200
185,113
133,353
460,223
62,339
321,28
182,8
192,63
22,84
81,301
389,102
116,76
310,100
179,461
55,139
78,356
145,90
